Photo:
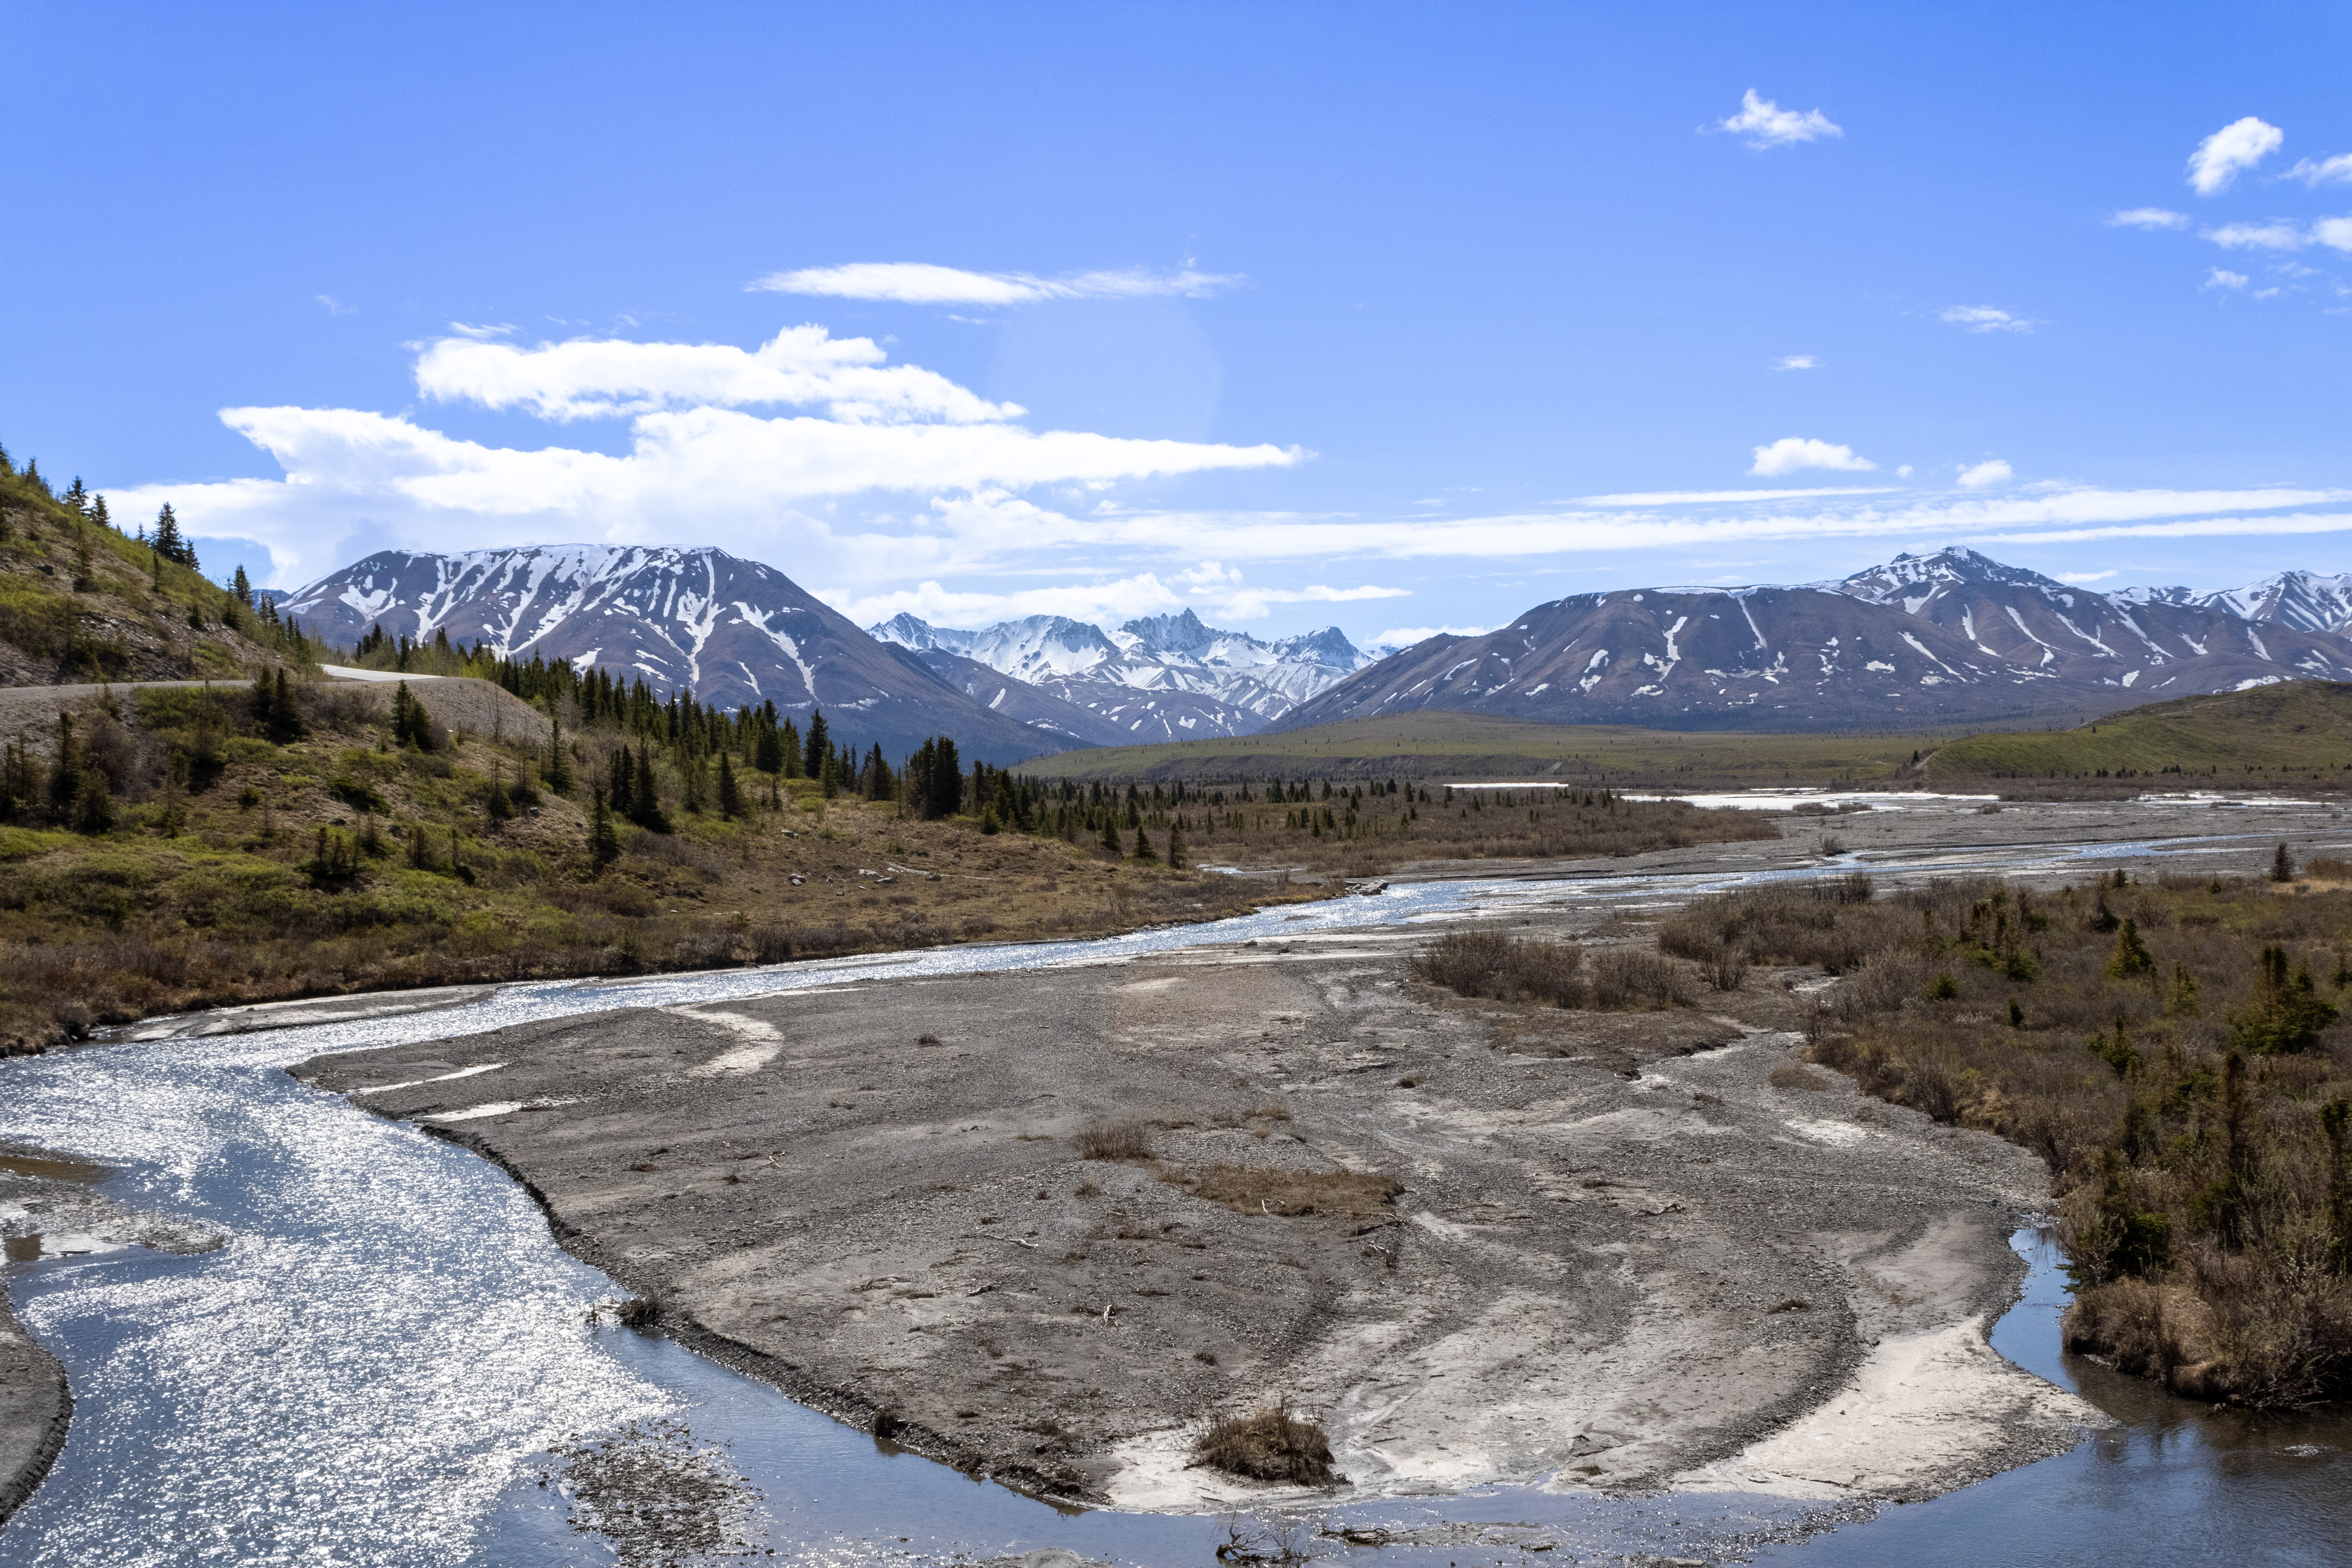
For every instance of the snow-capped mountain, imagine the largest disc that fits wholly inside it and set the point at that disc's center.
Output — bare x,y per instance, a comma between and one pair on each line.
2306,601
1162,677
730,630
1951,637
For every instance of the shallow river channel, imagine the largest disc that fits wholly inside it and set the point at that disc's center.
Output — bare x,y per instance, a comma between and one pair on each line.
381,1362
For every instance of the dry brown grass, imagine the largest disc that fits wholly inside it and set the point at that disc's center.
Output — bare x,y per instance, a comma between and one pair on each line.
1251,1189
1796,1074
1269,1445
1127,1138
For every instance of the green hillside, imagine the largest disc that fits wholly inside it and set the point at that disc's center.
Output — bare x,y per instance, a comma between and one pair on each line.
2299,729
81,602
1440,745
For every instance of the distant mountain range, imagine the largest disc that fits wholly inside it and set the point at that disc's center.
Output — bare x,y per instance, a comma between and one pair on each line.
2306,601
730,630
1166,678
1949,638
1943,639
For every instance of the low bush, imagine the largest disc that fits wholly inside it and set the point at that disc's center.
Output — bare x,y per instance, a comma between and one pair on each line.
1269,1445
1126,1138
1536,969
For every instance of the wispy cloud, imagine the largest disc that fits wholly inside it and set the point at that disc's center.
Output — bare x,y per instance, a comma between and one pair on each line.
2222,278
2088,577
1791,454
2222,157
1797,362
482,334
2336,233
1766,124
1690,498
2148,217
1986,319
336,307
1985,475
1405,636
924,283
2334,170
2276,234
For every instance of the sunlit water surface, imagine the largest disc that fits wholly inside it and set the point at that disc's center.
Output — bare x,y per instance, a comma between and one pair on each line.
373,1368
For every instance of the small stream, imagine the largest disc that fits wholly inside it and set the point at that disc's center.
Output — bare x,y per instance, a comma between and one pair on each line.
376,1365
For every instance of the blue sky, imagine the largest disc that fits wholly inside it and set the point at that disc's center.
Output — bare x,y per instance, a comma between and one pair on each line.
1397,317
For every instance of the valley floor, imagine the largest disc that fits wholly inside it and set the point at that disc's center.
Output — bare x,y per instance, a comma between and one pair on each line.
1629,1251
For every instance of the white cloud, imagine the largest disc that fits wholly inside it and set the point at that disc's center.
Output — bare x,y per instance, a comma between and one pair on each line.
483,334
2148,217
2222,278
1689,497
1904,472
602,377
1985,475
1405,636
2334,170
336,307
1797,362
1255,604
2236,147
923,283
2276,234
2336,233
1120,600
826,493
1986,319
2087,576
2020,515
1791,453
1767,124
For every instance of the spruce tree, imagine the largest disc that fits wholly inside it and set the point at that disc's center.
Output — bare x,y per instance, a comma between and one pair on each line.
98,513
168,545
818,747
730,794
620,777
242,587
558,770
1110,839
604,841
1176,848
767,753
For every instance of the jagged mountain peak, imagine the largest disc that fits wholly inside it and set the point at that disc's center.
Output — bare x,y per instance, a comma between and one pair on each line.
1199,680
1170,633
1903,577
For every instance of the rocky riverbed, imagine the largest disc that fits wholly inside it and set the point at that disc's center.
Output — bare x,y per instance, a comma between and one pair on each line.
1629,1250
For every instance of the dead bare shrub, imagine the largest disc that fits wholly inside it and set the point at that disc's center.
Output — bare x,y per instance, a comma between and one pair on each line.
1269,1445
1127,1138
